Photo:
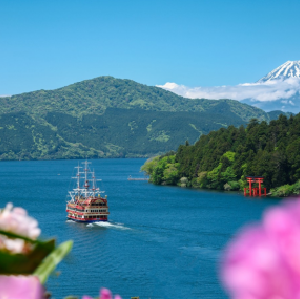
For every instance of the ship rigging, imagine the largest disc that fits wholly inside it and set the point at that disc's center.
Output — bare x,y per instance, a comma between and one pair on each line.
86,203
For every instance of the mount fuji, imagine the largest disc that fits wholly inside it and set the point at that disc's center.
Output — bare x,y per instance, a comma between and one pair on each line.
290,69
285,81
278,90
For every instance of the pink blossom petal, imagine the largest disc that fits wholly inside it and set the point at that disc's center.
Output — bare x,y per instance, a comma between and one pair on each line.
17,221
263,262
105,294
9,206
20,287
19,211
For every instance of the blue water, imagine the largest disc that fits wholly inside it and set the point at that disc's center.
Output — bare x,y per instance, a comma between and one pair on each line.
163,242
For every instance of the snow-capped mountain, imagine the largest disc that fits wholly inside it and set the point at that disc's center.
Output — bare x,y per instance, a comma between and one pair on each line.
278,90
290,69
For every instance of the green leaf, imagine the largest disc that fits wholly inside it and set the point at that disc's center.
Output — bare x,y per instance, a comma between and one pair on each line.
25,263
49,263
16,236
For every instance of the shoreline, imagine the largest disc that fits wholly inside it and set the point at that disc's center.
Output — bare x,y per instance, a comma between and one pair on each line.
56,159
269,195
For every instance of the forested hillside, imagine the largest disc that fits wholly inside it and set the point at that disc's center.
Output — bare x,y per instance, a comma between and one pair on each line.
221,159
108,117
116,133
94,96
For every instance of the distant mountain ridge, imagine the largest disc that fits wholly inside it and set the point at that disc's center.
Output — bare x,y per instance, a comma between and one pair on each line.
108,117
290,69
94,96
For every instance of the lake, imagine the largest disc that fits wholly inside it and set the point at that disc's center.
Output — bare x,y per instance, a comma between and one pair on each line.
162,242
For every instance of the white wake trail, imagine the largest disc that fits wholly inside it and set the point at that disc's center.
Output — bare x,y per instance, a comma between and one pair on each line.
104,224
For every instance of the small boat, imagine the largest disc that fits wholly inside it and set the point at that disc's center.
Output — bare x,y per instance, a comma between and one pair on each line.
86,203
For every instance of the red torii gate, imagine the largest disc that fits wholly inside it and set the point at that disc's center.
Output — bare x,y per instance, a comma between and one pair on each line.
255,191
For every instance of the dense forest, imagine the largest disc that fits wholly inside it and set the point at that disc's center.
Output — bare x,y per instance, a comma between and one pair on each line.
108,117
221,159
116,133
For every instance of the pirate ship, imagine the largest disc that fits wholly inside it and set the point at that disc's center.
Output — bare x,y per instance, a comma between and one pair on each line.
86,203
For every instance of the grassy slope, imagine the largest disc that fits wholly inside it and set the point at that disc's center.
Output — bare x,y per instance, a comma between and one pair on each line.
109,117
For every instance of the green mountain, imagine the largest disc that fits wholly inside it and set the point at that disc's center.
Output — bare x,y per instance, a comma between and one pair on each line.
222,159
108,117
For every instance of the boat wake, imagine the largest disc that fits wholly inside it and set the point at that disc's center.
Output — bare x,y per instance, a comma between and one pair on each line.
70,220
107,224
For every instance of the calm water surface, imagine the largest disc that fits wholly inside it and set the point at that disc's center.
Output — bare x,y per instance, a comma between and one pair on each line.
163,242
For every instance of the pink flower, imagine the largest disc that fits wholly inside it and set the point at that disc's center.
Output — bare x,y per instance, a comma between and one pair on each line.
20,287
104,294
17,221
263,261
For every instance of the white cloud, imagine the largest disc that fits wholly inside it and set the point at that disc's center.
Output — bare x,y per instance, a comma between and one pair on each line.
262,92
5,95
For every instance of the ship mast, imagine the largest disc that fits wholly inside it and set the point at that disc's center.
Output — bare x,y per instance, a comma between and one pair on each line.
85,178
78,181
94,187
86,181
84,189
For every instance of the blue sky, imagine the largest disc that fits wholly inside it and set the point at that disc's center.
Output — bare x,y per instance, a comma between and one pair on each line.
50,44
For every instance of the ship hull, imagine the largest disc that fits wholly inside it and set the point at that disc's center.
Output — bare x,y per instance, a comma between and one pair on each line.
86,221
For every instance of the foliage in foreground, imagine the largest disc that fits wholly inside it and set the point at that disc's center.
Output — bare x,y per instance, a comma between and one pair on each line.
27,262
221,159
21,253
